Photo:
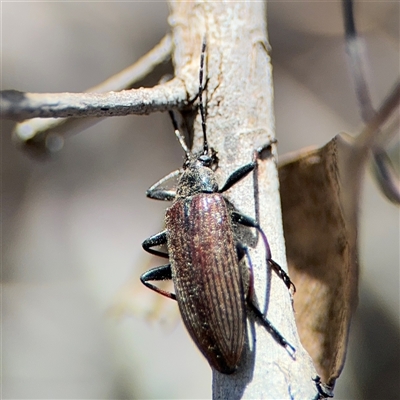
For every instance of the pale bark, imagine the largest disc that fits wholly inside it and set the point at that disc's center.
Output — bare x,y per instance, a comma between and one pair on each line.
18,105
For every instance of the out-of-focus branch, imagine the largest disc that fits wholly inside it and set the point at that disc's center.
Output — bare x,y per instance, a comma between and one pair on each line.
139,70
368,137
383,170
39,133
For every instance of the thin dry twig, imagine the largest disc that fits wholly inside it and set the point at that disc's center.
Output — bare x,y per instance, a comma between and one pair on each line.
368,137
41,130
383,170
18,105
139,70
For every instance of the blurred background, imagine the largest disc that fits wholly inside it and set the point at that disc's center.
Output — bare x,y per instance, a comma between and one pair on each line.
76,322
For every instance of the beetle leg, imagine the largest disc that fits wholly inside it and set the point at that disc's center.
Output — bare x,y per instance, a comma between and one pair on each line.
324,390
162,273
165,195
156,240
154,192
242,251
272,330
238,175
250,294
282,274
250,222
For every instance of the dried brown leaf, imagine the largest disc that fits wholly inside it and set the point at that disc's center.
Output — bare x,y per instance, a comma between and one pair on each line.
322,253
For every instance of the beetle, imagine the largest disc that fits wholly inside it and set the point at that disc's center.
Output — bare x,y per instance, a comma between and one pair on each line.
204,255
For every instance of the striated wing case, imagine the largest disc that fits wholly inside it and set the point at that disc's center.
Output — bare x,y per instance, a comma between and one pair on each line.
207,278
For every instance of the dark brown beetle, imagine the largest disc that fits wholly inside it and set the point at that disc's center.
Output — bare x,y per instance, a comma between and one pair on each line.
204,257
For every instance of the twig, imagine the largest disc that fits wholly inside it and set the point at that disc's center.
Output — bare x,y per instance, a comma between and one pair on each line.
39,130
139,70
382,167
354,48
18,105
368,137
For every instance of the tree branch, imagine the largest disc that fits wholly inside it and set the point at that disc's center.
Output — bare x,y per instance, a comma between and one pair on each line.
383,170
39,130
18,105
369,137
139,70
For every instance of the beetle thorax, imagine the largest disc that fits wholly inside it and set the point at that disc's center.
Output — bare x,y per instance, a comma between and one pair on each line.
196,178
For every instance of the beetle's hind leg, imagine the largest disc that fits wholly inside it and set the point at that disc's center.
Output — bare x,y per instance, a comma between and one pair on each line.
272,330
243,250
162,273
250,222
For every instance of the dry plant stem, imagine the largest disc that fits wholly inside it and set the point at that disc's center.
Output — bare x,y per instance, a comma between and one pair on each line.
31,128
383,170
239,118
355,52
361,147
17,105
368,137
139,70
355,152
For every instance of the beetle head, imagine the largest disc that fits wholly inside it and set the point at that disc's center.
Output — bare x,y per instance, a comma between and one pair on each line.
198,169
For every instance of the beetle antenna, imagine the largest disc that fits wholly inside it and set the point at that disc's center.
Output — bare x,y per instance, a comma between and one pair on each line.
179,134
201,105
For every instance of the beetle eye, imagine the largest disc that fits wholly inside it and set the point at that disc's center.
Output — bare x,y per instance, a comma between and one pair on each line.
206,160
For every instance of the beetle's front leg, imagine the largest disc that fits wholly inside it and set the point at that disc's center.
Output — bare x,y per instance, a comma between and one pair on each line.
156,240
238,175
156,191
243,171
250,222
162,273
